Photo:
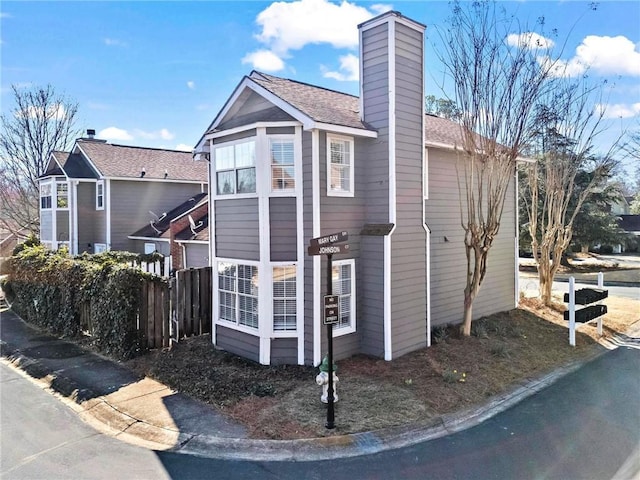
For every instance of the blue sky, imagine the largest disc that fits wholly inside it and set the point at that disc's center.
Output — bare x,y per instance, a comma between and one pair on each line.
155,74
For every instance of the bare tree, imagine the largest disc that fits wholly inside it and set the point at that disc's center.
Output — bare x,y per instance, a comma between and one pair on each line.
493,65
41,122
569,121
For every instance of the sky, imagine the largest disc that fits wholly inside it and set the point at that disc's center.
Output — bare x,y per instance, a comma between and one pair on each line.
156,73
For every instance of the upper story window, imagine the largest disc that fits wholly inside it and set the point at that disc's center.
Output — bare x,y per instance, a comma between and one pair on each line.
339,166
100,195
62,195
235,167
284,298
282,164
45,195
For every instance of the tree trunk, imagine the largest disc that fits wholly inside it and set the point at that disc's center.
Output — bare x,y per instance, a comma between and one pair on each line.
465,329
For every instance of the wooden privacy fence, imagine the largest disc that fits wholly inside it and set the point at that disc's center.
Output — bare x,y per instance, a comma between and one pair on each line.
191,301
179,309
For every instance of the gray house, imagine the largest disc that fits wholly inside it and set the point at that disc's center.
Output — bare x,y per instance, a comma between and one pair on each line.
292,161
94,197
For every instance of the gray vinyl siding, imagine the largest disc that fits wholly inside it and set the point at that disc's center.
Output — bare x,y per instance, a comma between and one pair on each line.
235,136
448,261
307,218
197,255
131,202
283,229
408,241
281,130
46,225
237,230
370,290
88,217
237,342
284,351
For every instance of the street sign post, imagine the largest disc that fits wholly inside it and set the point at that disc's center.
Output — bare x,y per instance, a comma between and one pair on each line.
326,245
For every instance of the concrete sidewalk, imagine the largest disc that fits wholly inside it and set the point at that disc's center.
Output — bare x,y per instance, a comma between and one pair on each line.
145,412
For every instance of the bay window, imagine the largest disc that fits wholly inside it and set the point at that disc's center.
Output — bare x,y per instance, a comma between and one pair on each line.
238,293
235,167
343,284
284,298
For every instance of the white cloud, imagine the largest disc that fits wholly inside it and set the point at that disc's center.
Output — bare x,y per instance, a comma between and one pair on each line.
603,55
114,133
5,15
619,110
191,84
183,147
163,134
287,26
529,40
114,42
349,69
264,60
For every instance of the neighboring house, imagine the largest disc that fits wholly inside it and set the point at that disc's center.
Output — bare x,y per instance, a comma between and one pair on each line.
170,232
94,197
630,224
292,161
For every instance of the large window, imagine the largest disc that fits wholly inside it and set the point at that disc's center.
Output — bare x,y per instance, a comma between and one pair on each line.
282,164
339,166
62,195
238,293
284,298
344,281
235,167
100,195
45,195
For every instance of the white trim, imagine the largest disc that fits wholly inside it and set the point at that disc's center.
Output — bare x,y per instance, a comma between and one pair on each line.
342,130
297,164
315,195
361,72
156,180
107,193
300,243
516,269
149,239
340,193
73,218
265,320
247,127
212,255
192,242
388,347
259,147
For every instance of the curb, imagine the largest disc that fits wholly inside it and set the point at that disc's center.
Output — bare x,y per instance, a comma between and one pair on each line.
106,418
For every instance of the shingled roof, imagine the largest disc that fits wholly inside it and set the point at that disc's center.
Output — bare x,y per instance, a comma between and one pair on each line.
320,104
123,161
160,227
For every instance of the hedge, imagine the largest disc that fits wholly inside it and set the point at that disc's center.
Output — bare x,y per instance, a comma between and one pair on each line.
50,289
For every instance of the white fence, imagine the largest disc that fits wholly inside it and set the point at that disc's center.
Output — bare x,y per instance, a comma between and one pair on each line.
161,269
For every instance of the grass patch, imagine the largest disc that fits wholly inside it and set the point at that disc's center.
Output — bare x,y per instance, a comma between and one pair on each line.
281,402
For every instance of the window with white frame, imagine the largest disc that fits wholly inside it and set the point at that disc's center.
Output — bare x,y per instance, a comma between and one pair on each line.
238,293
100,195
62,195
45,195
235,167
344,282
339,166
284,298
282,164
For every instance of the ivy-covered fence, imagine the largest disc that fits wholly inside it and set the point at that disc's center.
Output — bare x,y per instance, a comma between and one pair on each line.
97,294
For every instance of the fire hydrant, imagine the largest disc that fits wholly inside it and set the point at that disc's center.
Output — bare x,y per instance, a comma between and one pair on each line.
323,380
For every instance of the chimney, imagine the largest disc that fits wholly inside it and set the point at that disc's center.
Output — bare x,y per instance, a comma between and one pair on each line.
91,133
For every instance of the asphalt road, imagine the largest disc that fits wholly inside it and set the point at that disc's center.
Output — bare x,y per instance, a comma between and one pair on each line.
530,285
585,426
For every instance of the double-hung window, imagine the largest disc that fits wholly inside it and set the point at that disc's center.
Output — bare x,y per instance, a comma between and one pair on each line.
235,167
100,195
62,195
45,195
344,281
282,164
238,294
339,166
284,298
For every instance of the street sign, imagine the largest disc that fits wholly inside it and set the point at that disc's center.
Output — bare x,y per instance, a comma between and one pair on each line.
328,249
330,309
330,239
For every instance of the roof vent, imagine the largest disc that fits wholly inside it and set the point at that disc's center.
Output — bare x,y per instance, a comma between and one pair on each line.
91,133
